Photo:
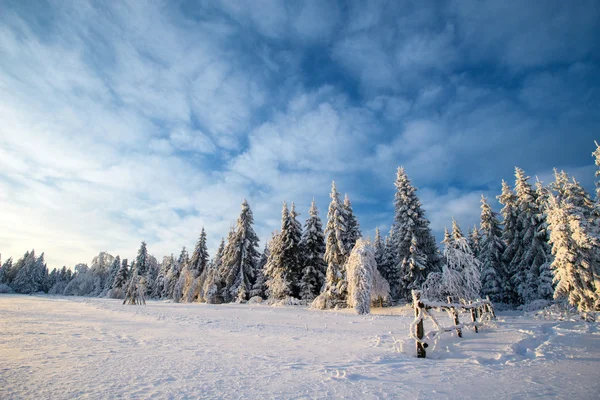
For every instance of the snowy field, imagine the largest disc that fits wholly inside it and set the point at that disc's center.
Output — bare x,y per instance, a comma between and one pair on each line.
64,348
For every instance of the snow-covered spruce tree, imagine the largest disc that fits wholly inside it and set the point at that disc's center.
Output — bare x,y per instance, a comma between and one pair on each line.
283,268
279,285
529,253
360,270
31,276
13,270
389,267
100,267
4,270
416,248
378,244
161,279
490,253
114,269
510,236
260,284
291,238
142,267
194,273
574,249
313,251
174,274
135,291
122,276
240,258
474,240
352,232
334,294
460,277
210,290
596,155
200,257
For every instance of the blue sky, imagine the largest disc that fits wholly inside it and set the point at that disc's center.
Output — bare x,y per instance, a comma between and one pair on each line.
134,120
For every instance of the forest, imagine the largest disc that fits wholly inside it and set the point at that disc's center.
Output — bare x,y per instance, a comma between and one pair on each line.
543,246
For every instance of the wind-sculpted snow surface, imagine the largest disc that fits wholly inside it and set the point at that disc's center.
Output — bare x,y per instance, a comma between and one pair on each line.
64,348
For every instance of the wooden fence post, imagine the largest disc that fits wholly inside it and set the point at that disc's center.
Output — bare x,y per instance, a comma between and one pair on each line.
455,317
420,330
491,307
474,318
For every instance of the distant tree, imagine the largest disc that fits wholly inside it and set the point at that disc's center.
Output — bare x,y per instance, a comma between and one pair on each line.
110,279
31,276
313,251
510,236
334,294
460,277
379,246
490,254
240,258
474,240
122,276
416,249
260,285
210,290
352,232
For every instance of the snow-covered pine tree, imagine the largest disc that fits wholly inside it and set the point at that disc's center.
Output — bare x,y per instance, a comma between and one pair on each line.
173,274
545,288
510,236
575,270
210,290
260,285
283,264
279,286
416,248
142,267
122,276
474,240
30,277
460,277
114,269
352,232
240,258
291,237
379,248
334,294
529,254
200,257
161,279
596,155
360,270
313,251
135,291
490,254
194,273
4,270
389,267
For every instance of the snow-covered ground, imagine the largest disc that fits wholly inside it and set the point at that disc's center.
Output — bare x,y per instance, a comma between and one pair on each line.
64,348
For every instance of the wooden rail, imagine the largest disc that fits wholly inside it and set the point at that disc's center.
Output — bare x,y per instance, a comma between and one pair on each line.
480,311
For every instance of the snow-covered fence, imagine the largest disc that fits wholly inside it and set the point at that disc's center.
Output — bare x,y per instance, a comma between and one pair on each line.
481,311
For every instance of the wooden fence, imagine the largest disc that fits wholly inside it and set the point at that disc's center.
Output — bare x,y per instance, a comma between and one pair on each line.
480,311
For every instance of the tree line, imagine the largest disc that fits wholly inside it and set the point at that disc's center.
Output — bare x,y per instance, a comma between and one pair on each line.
543,244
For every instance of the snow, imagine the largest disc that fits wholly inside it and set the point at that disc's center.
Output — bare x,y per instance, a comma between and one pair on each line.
63,348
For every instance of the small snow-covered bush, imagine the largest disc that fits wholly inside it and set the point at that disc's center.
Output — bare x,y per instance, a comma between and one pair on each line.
288,301
535,305
255,300
4,288
116,293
